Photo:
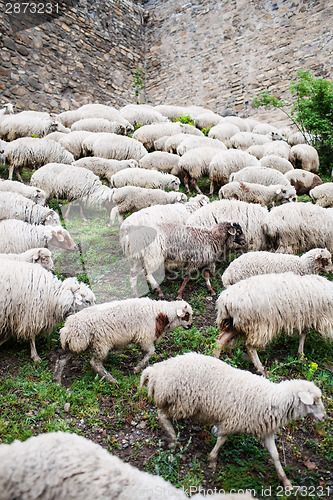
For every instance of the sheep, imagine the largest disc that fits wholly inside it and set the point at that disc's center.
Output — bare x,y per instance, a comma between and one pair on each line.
264,129
277,163
73,142
56,136
73,183
141,113
302,180
259,175
242,124
223,132
170,111
276,147
243,140
195,164
197,142
171,143
130,199
67,118
150,133
236,401
304,156
250,264
262,307
207,119
146,178
323,195
16,206
163,162
98,125
250,216
299,138
113,146
27,124
47,301
227,162
40,256
299,228
113,325
182,247
17,236
63,465
104,168
35,194
29,152
267,196
7,109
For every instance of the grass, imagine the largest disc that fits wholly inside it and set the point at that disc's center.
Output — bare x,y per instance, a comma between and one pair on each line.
123,419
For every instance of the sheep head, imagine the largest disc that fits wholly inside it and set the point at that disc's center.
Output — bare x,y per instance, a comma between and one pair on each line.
43,257
61,239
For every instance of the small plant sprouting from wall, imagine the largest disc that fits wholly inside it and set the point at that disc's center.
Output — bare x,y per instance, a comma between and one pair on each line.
138,82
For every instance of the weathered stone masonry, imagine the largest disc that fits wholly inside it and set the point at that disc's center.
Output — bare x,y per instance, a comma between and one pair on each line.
208,52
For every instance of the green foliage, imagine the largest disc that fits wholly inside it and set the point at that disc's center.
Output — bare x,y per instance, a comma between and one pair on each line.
205,131
138,80
186,119
311,110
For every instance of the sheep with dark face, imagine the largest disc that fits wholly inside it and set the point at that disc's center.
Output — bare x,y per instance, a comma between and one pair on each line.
302,180
114,325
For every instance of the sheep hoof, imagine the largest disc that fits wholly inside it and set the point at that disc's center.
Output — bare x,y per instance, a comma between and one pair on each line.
36,359
212,463
216,353
179,297
137,369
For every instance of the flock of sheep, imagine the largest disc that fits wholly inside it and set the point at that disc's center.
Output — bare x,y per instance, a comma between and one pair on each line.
258,171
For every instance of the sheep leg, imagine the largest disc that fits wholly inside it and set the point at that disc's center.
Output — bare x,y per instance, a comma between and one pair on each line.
62,360
186,183
155,286
33,351
270,445
208,284
10,172
115,213
19,176
212,187
221,439
167,426
83,217
195,184
222,339
182,288
66,216
301,345
98,367
252,352
149,352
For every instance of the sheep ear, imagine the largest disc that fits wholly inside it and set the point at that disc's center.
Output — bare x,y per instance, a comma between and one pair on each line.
78,299
35,256
306,398
318,256
181,313
278,191
232,230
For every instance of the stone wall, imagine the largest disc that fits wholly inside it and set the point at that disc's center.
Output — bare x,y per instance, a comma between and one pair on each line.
221,53
82,51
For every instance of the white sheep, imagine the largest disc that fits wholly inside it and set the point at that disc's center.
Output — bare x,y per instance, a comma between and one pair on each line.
141,113
63,465
67,118
27,124
148,134
189,143
253,263
17,236
180,247
56,136
243,140
299,228
7,109
241,123
250,216
305,157
47,301
40,256
277,163
104,168
73,183
207,119
267,196
236,401
302,180
35,194
113,146
276,147
227,162
299,138
30,152
223,132
98,125
146,178
259,175
170,111
130,199
323,195
113,325
263,307
195,164
16,206
167,163
73,142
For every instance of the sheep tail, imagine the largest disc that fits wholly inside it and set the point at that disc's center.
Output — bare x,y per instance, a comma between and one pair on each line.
74,341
